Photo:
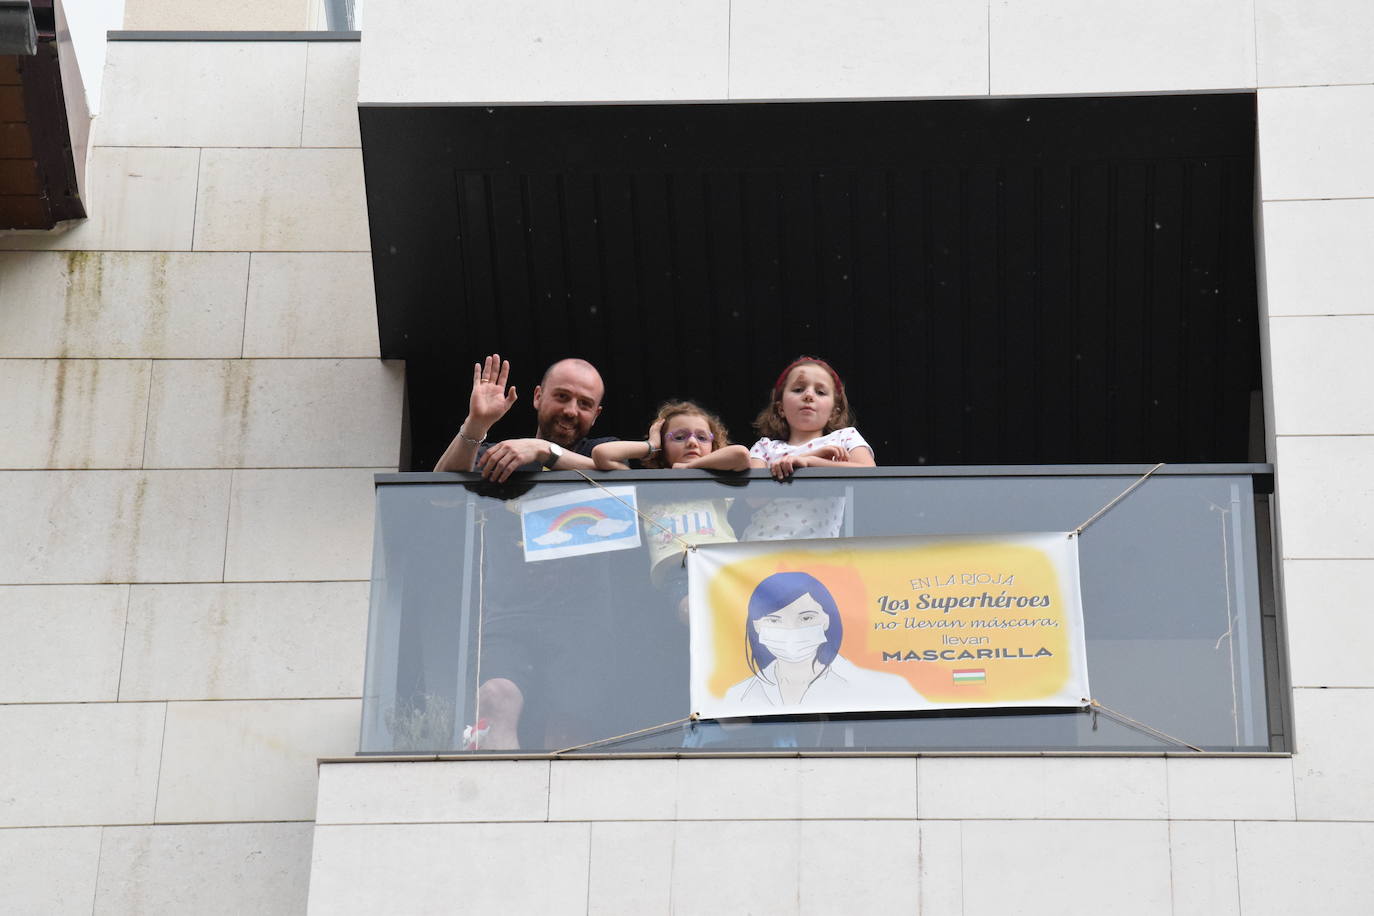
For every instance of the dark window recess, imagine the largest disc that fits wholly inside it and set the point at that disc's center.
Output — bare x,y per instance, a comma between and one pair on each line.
1001,281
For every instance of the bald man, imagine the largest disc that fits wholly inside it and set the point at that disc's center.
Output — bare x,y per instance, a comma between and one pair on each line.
566,402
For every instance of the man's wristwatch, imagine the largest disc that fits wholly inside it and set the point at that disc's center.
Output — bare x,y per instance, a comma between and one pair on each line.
555,453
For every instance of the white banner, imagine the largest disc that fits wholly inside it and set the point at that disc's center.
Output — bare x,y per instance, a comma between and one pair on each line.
874,624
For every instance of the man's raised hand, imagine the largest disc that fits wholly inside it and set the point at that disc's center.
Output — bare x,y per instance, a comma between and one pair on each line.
490,397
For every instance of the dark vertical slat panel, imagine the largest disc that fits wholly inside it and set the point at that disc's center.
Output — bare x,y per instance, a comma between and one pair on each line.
1057,333
799,264
727,235
1111,218
1092,256
834,316
483,300
983,352
460,257
768,292
1166,312
1201,292
510,269
911,379
945,348
1000,310
533,268
624,247
584,259
884,387
1240,334
1127,416
1222,425
692,266
1149,284
849,345
656,315
1074,307
550,294
1237,324
1019,307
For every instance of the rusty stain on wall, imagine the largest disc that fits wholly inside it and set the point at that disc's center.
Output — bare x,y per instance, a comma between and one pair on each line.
237,406
154,338
82,294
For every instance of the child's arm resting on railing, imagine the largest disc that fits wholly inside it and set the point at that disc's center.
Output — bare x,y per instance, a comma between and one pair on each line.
730,458
827,456
614,456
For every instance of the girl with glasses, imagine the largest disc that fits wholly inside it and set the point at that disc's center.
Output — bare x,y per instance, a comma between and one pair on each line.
683,435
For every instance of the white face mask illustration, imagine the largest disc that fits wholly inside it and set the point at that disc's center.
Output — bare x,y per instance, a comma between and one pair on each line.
797,644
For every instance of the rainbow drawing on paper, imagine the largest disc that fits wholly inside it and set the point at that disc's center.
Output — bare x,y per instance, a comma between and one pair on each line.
579,522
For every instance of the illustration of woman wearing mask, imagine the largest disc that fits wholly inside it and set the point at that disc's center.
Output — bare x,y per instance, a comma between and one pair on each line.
792,638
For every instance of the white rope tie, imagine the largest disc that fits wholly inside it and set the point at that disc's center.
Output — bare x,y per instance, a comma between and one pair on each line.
1122,495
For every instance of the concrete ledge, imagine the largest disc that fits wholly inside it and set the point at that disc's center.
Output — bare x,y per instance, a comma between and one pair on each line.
189,35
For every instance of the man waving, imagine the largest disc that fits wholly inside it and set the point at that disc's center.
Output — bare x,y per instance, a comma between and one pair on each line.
567,402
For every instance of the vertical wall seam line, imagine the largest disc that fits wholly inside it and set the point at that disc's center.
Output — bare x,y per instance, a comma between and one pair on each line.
228,515
195,199
247,287
161,755
99,854
1169,837
963,871
1235,851
124,642
305,88
147,414
587,899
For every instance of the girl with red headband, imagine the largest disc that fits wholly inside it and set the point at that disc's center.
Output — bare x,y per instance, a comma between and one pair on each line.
807,423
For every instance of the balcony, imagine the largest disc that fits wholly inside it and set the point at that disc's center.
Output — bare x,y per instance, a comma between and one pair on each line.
1176,581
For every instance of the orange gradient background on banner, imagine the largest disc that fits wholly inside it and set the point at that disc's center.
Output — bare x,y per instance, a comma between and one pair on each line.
858,578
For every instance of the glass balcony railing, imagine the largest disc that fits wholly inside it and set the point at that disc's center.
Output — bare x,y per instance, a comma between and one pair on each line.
1179,622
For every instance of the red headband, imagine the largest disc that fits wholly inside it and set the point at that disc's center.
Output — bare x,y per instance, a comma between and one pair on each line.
802,360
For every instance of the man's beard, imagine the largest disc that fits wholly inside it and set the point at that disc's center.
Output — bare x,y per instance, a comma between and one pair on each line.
564,436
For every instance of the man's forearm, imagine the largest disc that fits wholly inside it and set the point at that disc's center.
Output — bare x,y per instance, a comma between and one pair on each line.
461,453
